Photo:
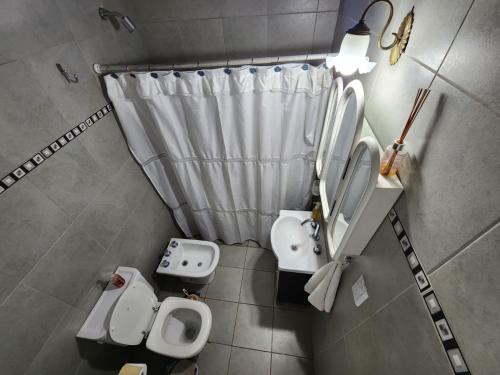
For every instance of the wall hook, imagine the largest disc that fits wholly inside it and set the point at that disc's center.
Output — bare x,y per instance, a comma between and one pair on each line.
66,75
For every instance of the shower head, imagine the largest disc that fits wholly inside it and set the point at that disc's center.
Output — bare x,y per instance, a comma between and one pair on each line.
128,24
126,21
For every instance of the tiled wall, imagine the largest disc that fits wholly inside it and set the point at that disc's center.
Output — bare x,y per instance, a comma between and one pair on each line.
451,205
68,223
187,30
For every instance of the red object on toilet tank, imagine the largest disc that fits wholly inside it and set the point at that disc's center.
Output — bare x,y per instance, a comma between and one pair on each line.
117,280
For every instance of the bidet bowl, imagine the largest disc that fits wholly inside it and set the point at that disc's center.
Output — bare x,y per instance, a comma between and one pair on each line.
293,245
192,260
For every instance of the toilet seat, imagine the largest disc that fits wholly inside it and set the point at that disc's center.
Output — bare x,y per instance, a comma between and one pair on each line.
138,314
158,341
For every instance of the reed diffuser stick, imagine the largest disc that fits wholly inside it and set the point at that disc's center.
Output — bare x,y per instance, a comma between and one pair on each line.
392,152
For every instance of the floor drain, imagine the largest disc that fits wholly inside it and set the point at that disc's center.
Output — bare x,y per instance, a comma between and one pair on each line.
184,262
199,264
294,247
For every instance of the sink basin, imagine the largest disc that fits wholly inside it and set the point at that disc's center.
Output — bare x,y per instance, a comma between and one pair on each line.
293,245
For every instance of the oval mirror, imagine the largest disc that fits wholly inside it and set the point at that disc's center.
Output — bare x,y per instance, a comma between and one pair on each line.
346,130
357,187
326,134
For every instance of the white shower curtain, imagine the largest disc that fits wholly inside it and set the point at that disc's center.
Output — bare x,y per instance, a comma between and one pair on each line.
225,149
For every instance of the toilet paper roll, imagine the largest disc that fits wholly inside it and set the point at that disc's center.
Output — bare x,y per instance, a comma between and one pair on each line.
133,369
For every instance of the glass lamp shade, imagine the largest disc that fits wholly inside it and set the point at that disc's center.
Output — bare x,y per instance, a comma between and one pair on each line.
352,55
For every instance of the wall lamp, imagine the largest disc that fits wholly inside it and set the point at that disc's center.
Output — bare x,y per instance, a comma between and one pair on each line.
352,55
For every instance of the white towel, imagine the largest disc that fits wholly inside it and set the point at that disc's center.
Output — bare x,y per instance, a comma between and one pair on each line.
322,286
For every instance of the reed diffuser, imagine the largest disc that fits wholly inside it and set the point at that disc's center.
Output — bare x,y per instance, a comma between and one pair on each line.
393,155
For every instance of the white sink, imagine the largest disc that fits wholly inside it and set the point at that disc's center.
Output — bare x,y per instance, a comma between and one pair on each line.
293,245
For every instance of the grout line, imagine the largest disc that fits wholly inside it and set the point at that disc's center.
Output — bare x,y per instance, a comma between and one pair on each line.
41,257
245,268
183,20
78,367
311,49
236,318
454,38
376,312
467,93
265,351
459,251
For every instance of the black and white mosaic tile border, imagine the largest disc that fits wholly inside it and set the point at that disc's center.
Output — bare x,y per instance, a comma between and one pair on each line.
22,170
443,329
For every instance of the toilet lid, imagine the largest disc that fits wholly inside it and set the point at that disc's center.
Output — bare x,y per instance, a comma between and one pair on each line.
132,314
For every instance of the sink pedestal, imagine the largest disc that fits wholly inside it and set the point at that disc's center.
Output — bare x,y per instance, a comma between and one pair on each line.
291,287
293,245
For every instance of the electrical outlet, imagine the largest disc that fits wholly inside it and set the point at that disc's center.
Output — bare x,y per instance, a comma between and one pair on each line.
359,292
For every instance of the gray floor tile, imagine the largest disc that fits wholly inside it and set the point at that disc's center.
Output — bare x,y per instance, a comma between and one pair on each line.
74,102
232,256
385,270
70,179
68,270
19,136
27,318
399,338
61,353
203,38
249,362
331,356
323,32
285,365
104,217
226,285
245,36
169,286
260,259
105,359
467,287
291,33
106,145
253,327
28,28
474,39
292,333
435,237
223,320
29,225
214,359
257,288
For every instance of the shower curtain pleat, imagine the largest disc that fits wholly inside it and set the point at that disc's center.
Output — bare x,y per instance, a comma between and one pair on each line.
226,152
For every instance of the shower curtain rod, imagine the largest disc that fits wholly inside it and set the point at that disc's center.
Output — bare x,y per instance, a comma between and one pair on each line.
117,68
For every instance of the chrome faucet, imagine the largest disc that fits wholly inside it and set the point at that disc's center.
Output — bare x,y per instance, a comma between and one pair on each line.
315,226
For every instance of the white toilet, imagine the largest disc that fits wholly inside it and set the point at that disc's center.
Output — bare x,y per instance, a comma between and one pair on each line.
176,327
192,260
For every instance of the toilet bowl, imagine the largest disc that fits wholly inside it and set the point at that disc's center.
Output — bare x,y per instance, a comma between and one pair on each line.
192,260
176,327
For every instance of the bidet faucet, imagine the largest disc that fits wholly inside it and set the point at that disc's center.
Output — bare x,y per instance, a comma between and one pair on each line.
315,226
